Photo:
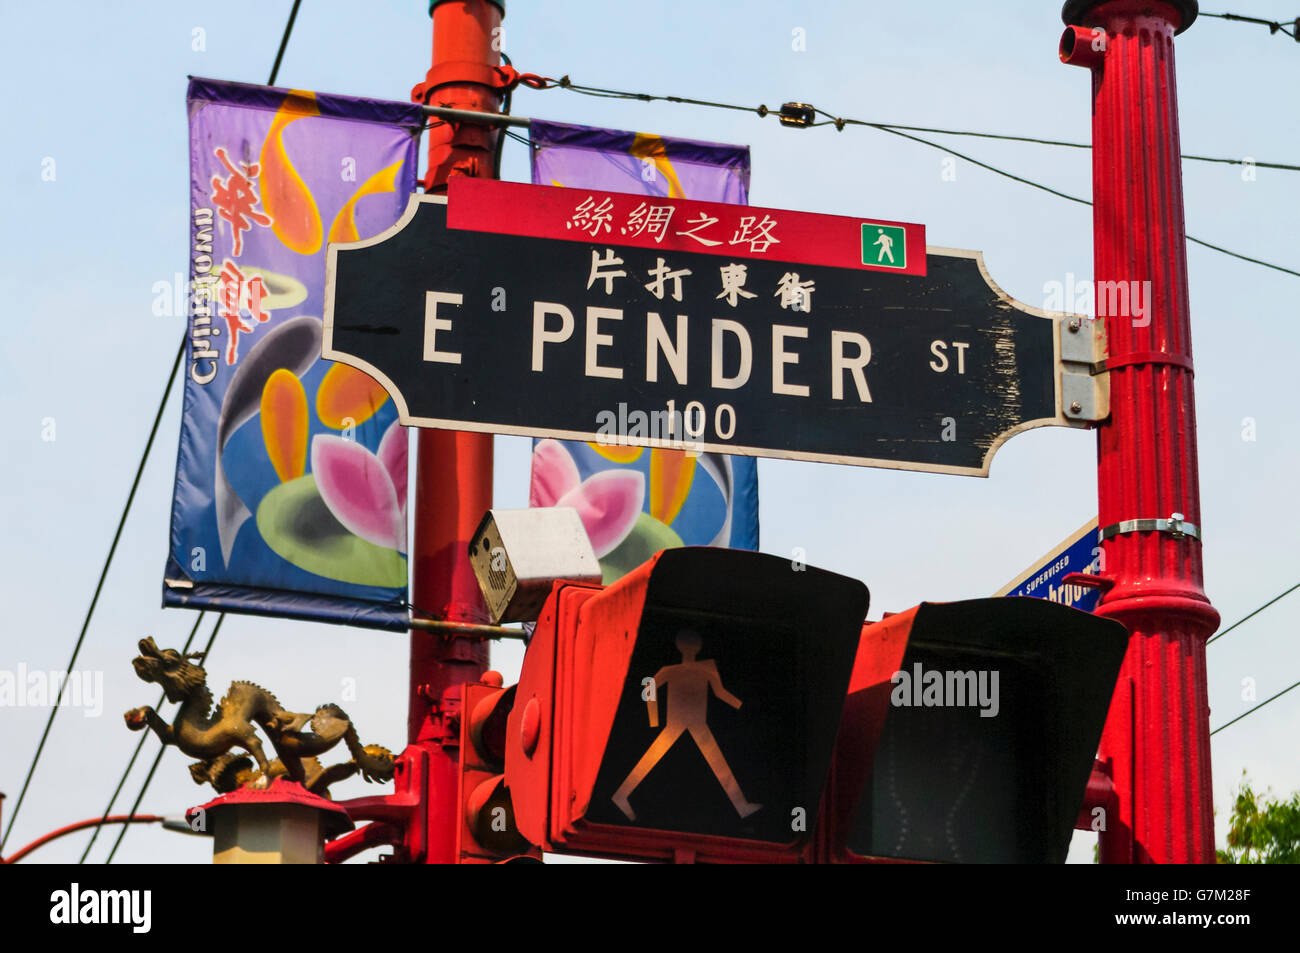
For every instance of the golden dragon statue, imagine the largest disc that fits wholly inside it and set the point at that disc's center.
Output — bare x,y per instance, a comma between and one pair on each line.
209,734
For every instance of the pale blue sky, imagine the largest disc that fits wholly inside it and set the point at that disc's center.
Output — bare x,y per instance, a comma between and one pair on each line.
99,89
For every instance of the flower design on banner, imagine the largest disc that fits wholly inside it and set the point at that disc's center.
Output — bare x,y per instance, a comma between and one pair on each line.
613,502
608,502
344,517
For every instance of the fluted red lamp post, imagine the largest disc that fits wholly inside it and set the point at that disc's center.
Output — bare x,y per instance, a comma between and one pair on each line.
1157,738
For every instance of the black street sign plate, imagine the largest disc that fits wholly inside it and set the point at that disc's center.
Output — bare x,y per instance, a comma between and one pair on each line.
585,338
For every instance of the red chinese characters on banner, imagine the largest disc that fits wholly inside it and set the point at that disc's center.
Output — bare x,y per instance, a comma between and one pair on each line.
235,198
237,293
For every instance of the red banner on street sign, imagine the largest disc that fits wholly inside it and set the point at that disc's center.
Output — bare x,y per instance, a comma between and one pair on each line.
712,228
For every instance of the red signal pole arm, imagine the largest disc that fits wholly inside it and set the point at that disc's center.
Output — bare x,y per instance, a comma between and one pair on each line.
1157,736
81,826
453,470
375,834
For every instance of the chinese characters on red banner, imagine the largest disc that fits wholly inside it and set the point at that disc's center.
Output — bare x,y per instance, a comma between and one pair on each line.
592,217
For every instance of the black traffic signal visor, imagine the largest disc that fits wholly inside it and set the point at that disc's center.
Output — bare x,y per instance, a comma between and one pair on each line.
976,745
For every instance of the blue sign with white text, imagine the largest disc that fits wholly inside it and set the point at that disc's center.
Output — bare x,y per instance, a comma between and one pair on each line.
1080,552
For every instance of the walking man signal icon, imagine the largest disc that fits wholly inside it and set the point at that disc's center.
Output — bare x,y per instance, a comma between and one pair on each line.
884,246
688,687
886,243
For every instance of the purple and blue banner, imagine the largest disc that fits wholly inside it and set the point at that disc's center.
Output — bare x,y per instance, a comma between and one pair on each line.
635,501
612,161
290,495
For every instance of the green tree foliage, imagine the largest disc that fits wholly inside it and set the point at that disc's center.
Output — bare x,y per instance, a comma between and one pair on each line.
1263,830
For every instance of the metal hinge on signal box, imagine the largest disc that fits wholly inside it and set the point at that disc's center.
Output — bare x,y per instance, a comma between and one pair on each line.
1085,393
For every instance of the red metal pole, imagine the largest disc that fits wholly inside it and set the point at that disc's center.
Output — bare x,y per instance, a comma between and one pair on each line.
454,470
81,826
1157,735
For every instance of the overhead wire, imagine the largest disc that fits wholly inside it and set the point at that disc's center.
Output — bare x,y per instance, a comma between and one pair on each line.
284,43
1245,618
94,600
1273,25
1033,140
903,131
144,457
1255,709
144,736
212,637
1082,201
763,111
518,138
1251,615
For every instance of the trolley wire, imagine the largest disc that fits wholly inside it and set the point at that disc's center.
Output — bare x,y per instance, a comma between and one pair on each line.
905,131
94,600
1224,632
1273,25
1255,709
126,509
839,122
1234,625
221,618
144,736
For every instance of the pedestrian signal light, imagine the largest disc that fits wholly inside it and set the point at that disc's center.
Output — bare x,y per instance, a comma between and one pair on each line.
687,711
969,733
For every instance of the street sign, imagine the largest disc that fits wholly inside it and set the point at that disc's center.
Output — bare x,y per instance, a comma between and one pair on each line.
1044,579
624,320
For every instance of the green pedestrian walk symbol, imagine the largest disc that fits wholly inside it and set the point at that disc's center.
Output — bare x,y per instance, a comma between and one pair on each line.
884,246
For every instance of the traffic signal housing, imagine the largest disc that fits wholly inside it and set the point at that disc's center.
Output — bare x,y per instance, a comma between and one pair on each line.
969,733
488,832
688,711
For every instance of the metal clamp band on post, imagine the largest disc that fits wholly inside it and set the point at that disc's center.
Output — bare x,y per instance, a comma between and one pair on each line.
1143,357
1175,526
503,78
